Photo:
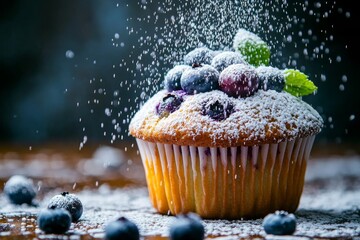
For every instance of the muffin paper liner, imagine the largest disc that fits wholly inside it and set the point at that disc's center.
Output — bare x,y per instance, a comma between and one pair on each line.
231,183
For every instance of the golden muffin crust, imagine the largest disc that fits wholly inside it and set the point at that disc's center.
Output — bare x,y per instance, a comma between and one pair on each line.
265,117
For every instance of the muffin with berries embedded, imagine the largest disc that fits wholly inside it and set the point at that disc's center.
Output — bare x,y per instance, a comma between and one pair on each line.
227,138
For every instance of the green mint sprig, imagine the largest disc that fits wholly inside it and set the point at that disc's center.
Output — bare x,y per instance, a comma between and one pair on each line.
255,52
297,83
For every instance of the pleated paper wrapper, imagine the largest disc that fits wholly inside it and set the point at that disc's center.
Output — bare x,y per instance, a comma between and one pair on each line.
227,183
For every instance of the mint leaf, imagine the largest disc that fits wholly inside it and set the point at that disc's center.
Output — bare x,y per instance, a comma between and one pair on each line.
255,51
297,83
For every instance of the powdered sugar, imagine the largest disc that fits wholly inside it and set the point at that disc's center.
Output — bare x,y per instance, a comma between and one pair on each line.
172,78
271,78
19,183
265,117
329,207
225,59
270,71
242,36
239,80
201,55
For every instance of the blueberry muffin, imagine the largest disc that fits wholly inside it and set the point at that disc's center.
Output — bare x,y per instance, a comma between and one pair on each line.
230,144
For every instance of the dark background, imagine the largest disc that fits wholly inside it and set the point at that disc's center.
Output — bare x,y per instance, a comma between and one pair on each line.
46,96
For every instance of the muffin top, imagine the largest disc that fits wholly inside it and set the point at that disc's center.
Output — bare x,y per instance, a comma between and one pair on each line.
229,98
214,119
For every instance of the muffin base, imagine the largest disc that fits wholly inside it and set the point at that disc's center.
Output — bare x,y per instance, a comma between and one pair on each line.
228,183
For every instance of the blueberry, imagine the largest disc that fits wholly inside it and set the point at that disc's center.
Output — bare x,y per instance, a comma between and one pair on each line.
217,110
239,80
200,78
217,52
201,55
172,78
56,221
280,223
122,228
20,189
5,227
187,227
170,103
69,202
270,78
225,59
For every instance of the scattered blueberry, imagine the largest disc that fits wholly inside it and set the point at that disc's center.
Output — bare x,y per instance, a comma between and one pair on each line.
200,78
280,223
225,59
187,227
217,110
5,227
56,221
20,189
270,78
170,103
201,55
239,80
69,202
172,78
122,228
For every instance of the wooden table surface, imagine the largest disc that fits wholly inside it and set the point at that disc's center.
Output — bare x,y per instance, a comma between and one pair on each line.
329,208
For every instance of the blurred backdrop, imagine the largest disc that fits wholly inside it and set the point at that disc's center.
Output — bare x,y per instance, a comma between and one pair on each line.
69,69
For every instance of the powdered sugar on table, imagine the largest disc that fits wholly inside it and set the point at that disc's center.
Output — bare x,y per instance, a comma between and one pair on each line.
330,207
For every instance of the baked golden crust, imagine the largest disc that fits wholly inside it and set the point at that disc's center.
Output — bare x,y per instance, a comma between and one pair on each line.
264,118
